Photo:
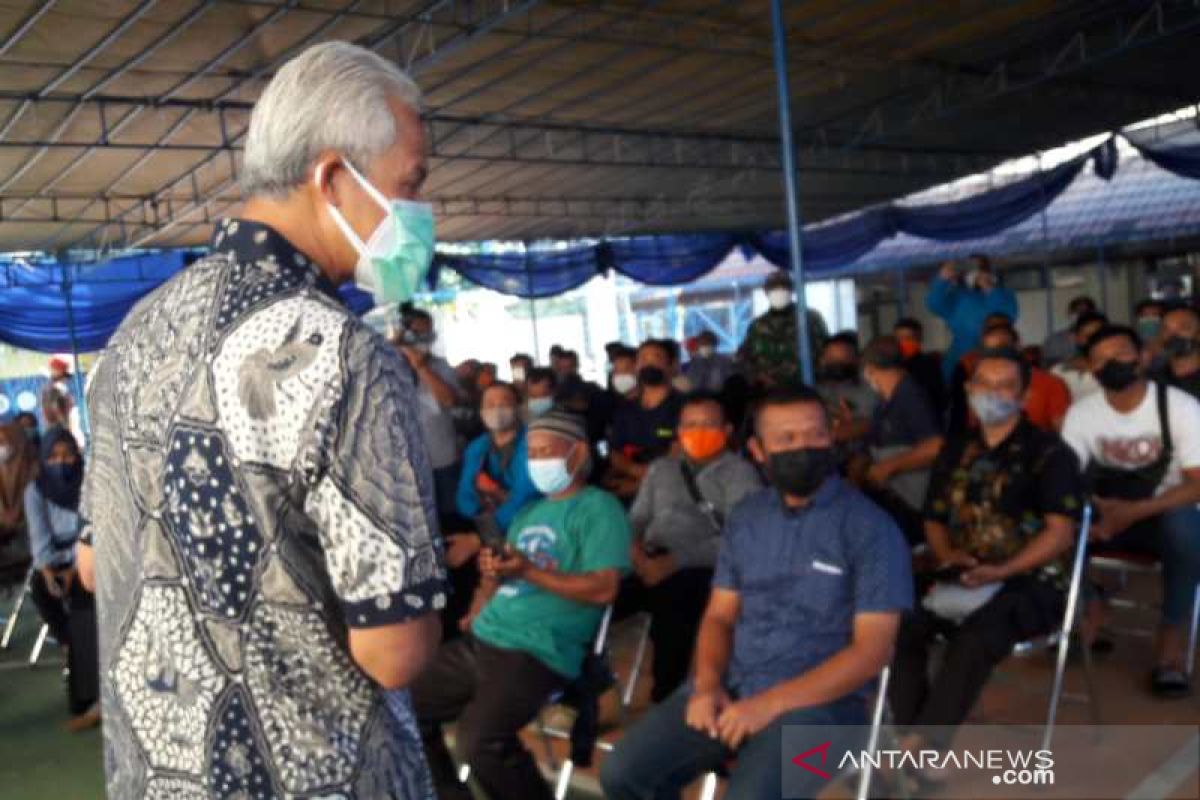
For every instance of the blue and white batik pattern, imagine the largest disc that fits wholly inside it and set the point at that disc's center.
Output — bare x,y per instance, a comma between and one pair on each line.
257,484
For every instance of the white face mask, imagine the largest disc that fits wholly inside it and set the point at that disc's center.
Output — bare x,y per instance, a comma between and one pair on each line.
499,419
518,374
779,298
624,383
393,262
706,351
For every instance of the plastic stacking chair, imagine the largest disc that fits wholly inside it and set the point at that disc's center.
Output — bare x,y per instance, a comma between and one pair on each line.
708,789
1125,564
639,657
566,769
15,614
1061,638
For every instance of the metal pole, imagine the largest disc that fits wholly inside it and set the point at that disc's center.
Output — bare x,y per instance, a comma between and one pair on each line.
532,305
1103,279
1047,277
791,188
901,294
81,399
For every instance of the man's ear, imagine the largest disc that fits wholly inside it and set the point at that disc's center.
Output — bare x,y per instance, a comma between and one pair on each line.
327,174
756,449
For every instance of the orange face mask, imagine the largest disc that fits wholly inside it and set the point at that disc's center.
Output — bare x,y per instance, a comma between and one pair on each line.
701,444
909,347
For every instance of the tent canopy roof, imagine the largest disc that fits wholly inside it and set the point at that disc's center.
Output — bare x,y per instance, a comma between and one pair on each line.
120,122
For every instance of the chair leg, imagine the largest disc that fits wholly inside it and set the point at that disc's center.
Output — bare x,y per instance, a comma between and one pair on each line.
1191,645
1089,681
708,790
464,773
638,657
16,612
864,778
547,745
564,780
37,646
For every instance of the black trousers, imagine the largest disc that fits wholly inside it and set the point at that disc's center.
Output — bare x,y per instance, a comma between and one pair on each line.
493,693
1023,609
676,606
72,621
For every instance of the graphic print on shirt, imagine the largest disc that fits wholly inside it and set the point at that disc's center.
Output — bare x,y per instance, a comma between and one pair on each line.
537,543
1130,453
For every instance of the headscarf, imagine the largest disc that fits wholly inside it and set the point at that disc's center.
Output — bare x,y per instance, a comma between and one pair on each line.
18,471
58,483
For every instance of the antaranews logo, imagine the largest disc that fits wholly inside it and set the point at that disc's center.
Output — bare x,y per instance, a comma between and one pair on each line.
1008,767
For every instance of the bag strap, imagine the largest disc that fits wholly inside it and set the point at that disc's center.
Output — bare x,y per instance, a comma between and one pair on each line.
706,508
1164,419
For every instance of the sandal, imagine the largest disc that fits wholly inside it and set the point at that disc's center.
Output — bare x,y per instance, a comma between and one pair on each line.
1169,682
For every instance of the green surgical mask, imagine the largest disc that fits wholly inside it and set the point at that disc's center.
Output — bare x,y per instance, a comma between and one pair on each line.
394,261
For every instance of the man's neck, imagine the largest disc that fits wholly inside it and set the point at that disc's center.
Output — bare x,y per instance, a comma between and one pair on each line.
654,396
889,382
995,434
1128,399
572,490
504,438
286,217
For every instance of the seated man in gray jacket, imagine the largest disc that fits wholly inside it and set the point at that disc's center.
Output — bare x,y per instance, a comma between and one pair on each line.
677,519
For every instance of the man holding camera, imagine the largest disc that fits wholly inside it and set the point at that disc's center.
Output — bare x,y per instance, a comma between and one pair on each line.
536,612
964,300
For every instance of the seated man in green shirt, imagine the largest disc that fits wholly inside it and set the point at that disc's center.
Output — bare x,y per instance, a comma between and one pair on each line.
540,601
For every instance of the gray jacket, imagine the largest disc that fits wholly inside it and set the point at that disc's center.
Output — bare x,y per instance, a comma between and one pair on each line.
665,515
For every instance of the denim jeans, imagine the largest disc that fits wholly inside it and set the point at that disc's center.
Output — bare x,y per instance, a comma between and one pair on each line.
1174,538
660,755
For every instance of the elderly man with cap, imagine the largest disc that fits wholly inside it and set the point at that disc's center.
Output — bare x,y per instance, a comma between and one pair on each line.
537,609
768,356
258,502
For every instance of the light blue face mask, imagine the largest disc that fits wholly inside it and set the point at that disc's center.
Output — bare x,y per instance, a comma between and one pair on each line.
993,409
394,261
549,475
539,405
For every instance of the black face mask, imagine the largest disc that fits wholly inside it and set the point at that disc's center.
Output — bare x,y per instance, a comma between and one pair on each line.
801,472
839,373
1180,347
652,376
1116,376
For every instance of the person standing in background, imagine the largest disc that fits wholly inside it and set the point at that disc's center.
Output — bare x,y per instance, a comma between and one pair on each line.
1060,346
769,356
708,370
964,301
924,367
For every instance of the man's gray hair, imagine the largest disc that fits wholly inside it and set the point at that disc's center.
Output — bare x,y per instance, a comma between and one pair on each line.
333,96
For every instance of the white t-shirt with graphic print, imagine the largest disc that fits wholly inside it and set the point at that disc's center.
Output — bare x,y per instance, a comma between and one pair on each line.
1098,432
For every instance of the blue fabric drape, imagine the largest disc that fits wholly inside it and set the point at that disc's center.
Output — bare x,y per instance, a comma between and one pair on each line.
666,260
536,271
832,244
1175,146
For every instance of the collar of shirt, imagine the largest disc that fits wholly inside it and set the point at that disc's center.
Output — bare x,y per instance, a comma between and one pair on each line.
1016,435
254,243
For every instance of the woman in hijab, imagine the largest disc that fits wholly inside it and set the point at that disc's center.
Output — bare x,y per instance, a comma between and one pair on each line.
17,468
52,512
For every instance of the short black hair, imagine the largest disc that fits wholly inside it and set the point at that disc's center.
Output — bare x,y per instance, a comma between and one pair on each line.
1149,302
706,334
1082,299
412,314
516,396
623,352
996,317
848,338
1001,326
1011,355
985,263
1111,332
790,395
668,348
1171,308
1088,318
541,375
524,358
698,398
884,353
912,324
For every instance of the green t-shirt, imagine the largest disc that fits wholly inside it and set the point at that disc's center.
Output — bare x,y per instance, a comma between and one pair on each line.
586,532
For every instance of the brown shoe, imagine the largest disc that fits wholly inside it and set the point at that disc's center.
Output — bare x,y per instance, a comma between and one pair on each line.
85,721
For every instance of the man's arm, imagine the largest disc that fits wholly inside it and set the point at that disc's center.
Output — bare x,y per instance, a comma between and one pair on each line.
1120,515
85,562
595,588
714,642
847,670
1055,539
442,390
943,293
918,457
394,655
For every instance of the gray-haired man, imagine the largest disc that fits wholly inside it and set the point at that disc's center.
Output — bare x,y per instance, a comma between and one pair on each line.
259,497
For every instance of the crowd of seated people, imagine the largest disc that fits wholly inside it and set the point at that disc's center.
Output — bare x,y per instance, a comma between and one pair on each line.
785,542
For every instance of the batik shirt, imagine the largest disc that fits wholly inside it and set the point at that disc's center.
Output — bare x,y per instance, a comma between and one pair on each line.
769,354
257,484
994,500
